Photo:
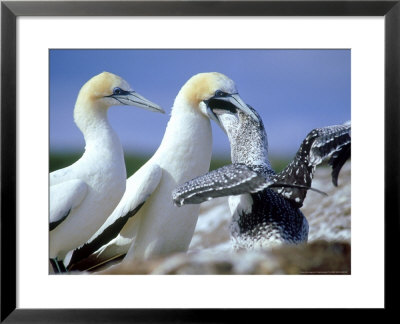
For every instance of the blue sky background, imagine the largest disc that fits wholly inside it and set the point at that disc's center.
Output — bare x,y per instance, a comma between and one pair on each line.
293,90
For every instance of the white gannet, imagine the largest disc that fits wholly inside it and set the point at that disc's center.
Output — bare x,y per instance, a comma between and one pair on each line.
84,194
265,205
151,224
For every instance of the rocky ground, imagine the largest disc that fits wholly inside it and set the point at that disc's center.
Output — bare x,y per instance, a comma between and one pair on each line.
327,250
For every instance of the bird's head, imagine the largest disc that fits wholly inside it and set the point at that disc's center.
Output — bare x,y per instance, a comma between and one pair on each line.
107,89
209,91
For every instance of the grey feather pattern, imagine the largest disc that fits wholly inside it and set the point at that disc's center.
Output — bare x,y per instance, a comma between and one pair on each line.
268,212
233,179
319,144
239,178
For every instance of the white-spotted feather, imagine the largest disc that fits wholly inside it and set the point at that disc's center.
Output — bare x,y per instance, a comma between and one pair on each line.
233,179
267,211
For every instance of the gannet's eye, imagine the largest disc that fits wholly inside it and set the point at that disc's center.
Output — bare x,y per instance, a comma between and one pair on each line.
220,93
117,91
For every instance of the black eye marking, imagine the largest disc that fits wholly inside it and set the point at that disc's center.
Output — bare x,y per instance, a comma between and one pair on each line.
220,93
221,101
117,91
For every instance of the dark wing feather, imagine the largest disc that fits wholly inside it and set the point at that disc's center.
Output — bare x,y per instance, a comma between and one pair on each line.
233,179
337,160
85,251
54,224
320,143
139,188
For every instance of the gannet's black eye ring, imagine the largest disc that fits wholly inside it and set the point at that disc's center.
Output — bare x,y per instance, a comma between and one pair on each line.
220,93
117,91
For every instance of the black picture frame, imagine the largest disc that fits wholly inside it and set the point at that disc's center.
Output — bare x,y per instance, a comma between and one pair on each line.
10,10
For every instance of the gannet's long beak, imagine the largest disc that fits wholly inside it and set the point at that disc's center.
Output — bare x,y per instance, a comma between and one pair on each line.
227,102
132,98
213,116
240,104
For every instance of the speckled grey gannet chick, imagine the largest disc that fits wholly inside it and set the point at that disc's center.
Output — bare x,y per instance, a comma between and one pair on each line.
146,223
265,205
84,194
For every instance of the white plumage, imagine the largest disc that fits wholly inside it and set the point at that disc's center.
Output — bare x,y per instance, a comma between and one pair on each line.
159,227
84,194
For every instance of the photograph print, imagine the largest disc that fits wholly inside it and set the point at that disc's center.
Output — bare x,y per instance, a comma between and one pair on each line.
200,161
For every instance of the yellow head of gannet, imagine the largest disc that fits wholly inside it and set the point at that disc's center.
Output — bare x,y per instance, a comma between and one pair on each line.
212,90
107,89
103,91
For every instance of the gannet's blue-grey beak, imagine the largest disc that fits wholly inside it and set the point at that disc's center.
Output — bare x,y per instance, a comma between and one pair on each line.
240,104
229,102
132,98
214,117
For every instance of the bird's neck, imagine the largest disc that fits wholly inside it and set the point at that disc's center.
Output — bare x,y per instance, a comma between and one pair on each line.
92,121
249,145
187,142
